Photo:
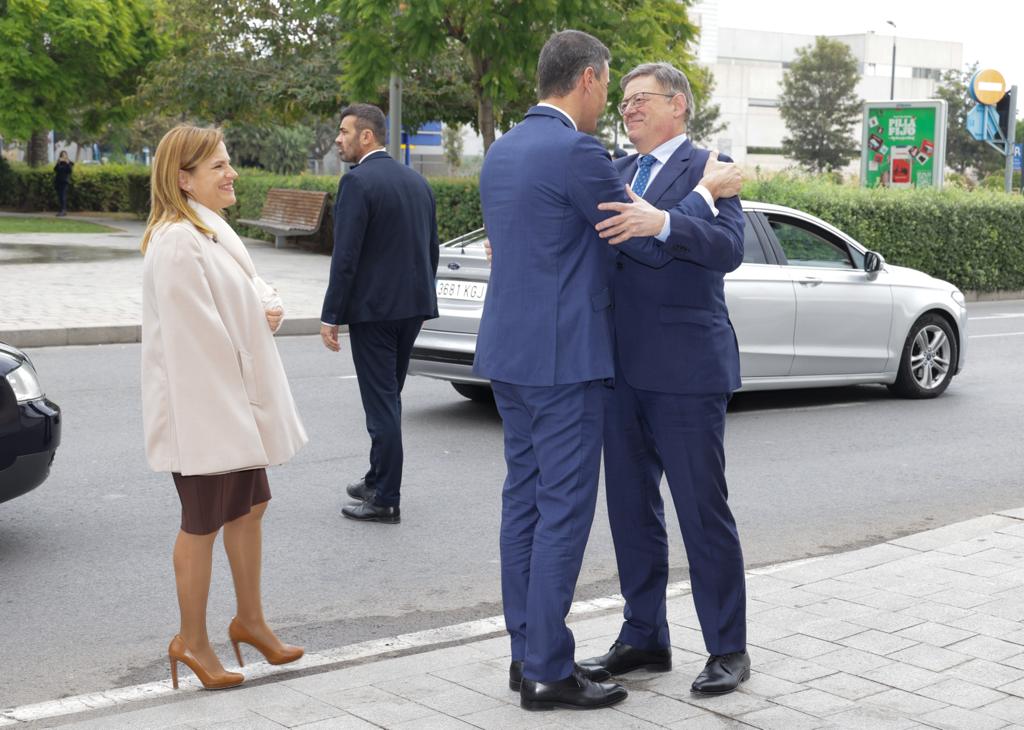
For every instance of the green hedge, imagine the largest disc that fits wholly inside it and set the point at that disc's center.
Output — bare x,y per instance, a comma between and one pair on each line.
972,239
114,188
126,188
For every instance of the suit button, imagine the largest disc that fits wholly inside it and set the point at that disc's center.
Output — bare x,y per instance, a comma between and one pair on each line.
619,265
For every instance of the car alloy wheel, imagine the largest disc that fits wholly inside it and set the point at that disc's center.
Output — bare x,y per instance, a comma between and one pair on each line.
928,360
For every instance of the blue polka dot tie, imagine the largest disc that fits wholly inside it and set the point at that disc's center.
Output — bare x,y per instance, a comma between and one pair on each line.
644,165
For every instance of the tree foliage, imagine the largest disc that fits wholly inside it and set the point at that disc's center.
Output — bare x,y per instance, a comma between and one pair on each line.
494,46
963,152
705,123
71,63
247,61
819,105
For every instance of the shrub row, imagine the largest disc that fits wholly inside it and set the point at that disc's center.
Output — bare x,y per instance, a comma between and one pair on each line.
113,188
973,239
125,188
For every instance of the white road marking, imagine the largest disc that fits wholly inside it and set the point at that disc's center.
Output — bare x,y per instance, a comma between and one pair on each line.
994,334
1001,315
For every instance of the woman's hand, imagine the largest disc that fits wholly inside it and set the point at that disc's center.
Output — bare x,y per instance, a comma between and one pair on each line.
274,317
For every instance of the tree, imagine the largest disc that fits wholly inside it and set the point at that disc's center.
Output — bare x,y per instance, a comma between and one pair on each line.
451,138
963,152
704,124
69,63
819,105
497,44
247,61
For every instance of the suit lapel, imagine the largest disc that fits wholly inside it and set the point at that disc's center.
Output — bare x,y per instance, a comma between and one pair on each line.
677,165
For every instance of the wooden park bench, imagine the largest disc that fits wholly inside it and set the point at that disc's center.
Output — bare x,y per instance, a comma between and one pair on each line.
288,213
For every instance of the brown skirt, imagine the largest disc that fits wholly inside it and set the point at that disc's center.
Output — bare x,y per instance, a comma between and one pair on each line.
210,500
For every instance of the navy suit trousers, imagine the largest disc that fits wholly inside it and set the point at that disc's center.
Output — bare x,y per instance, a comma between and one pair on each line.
380,352
553,455
648,434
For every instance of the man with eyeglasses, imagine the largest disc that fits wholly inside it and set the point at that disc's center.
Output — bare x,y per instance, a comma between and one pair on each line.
676,366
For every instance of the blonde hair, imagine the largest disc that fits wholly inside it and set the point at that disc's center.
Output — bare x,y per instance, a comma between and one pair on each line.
183,148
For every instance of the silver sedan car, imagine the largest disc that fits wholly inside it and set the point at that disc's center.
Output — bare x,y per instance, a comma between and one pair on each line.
811,308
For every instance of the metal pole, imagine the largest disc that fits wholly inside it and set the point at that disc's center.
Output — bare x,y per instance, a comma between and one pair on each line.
1010,134
395,117
892,77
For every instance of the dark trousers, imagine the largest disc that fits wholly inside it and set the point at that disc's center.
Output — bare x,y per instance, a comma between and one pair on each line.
380,352
553,455
648,434
62,197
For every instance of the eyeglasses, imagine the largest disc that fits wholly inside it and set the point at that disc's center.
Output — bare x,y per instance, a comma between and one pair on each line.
639,99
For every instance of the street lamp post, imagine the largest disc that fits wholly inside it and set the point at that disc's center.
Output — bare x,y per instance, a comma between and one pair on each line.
892,77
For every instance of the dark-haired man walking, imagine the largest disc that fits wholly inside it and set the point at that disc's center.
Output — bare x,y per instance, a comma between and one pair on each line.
545,344
382,285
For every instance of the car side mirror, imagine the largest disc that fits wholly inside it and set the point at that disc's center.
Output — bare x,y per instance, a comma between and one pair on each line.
873,262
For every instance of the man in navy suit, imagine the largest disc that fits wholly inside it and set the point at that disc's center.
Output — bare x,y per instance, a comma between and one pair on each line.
677,365
382,286
545,343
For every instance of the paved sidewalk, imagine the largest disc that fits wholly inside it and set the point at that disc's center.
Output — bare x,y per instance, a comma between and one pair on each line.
86,289
922,631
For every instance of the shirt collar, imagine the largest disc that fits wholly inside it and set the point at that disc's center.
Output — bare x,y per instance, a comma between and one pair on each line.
663,152
363,158
563,111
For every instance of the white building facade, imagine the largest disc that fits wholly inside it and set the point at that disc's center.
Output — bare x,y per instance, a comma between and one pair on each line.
748,66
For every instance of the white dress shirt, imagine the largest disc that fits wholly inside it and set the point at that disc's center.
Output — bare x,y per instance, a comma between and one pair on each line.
662,154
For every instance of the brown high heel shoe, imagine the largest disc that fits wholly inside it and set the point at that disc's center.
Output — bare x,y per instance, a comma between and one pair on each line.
240,635
178,651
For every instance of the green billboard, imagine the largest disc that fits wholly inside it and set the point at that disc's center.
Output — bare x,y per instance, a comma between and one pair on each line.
903,144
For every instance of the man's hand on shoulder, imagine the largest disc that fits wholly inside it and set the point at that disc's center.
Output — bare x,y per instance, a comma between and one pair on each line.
638,219
722,179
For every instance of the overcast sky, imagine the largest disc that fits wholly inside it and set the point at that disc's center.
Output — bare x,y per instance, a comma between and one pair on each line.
992,32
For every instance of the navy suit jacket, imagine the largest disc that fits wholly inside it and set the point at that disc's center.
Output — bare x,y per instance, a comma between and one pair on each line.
385,245
672,328
546,318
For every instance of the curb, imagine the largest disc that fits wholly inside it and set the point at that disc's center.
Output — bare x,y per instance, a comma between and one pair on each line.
125,333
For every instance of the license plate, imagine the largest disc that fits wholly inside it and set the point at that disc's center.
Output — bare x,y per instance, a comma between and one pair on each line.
470,291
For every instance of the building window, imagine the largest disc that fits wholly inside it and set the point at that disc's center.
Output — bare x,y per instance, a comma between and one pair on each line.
927,73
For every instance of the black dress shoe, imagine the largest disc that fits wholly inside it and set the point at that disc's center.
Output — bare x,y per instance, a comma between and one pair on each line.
359,490
370,512
623,658
575,692
515,675
723,674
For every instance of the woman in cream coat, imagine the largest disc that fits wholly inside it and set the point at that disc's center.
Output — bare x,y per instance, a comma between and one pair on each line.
216,404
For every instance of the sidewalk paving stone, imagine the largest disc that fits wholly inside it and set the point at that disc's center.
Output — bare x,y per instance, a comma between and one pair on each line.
842,651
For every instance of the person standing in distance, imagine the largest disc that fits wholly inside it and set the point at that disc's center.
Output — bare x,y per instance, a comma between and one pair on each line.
382,286
545,343
676,366
62,180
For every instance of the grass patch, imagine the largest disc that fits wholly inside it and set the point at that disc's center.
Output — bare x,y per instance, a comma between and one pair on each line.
16,224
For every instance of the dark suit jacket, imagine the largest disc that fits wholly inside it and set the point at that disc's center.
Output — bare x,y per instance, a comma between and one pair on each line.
546,318
385,245
672,328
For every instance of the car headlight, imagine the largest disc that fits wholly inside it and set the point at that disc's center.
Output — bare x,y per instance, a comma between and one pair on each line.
25,383
958,297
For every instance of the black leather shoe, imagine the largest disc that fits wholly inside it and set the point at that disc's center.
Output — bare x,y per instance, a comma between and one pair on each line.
723,674
623,658
575,692
370,512
515,675
359,490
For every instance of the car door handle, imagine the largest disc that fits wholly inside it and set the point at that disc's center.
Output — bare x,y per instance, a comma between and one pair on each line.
810,281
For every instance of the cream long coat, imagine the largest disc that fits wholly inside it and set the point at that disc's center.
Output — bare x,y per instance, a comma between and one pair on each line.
215,397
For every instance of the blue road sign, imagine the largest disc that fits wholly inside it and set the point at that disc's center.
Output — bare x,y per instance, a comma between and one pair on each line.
1017,155
982,122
